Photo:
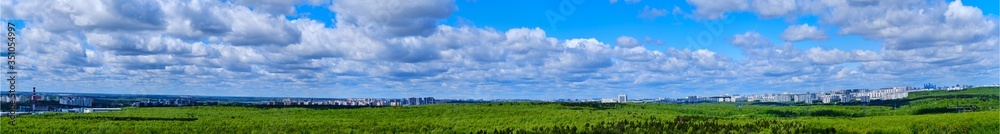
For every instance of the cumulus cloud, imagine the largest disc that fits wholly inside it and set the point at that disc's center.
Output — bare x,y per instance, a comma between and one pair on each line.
927,35
713,9
925,25
277,7
652,13
749,40
820,56
627,42
249,28
960,14
900,25
392,17
709,60
217,42
121,44
773,8
803,32
107,15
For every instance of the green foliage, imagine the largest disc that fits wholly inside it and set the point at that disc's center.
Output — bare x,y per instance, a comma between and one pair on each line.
971,91
503,118
923,112
973,99
680,124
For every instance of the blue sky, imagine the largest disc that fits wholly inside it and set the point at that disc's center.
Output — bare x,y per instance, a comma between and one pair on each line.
489,49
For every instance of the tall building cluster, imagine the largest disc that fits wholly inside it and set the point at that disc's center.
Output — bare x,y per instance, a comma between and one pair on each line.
353,102
76,101
842,96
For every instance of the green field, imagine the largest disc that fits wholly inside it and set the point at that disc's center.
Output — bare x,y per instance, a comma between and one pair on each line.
922,112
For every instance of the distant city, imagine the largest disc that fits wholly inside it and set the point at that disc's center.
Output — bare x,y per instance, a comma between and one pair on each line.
836,96
41,102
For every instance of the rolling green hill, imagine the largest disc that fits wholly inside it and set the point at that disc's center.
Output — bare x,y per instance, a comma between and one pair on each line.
544,118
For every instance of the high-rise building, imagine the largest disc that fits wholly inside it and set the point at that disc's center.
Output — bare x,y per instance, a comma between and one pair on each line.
622,98
76,101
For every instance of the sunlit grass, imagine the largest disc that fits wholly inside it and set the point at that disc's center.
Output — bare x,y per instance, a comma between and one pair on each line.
466,118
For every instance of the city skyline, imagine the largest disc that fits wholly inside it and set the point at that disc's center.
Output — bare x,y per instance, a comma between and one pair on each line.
500,49
608,96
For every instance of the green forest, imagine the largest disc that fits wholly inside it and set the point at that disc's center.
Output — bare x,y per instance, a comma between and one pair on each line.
974,110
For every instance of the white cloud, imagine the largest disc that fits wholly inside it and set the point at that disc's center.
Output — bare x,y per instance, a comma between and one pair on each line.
713,9
773,8
107,15
928,35
627,42
900,25
250,28
277,7
749,40
635,54
823,57
960,14
146,45
709,60
803,32
652,13
392,17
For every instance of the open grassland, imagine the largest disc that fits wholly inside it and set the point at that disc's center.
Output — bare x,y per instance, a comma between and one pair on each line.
909,115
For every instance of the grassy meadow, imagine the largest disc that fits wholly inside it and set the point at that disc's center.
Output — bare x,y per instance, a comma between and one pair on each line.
967,111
